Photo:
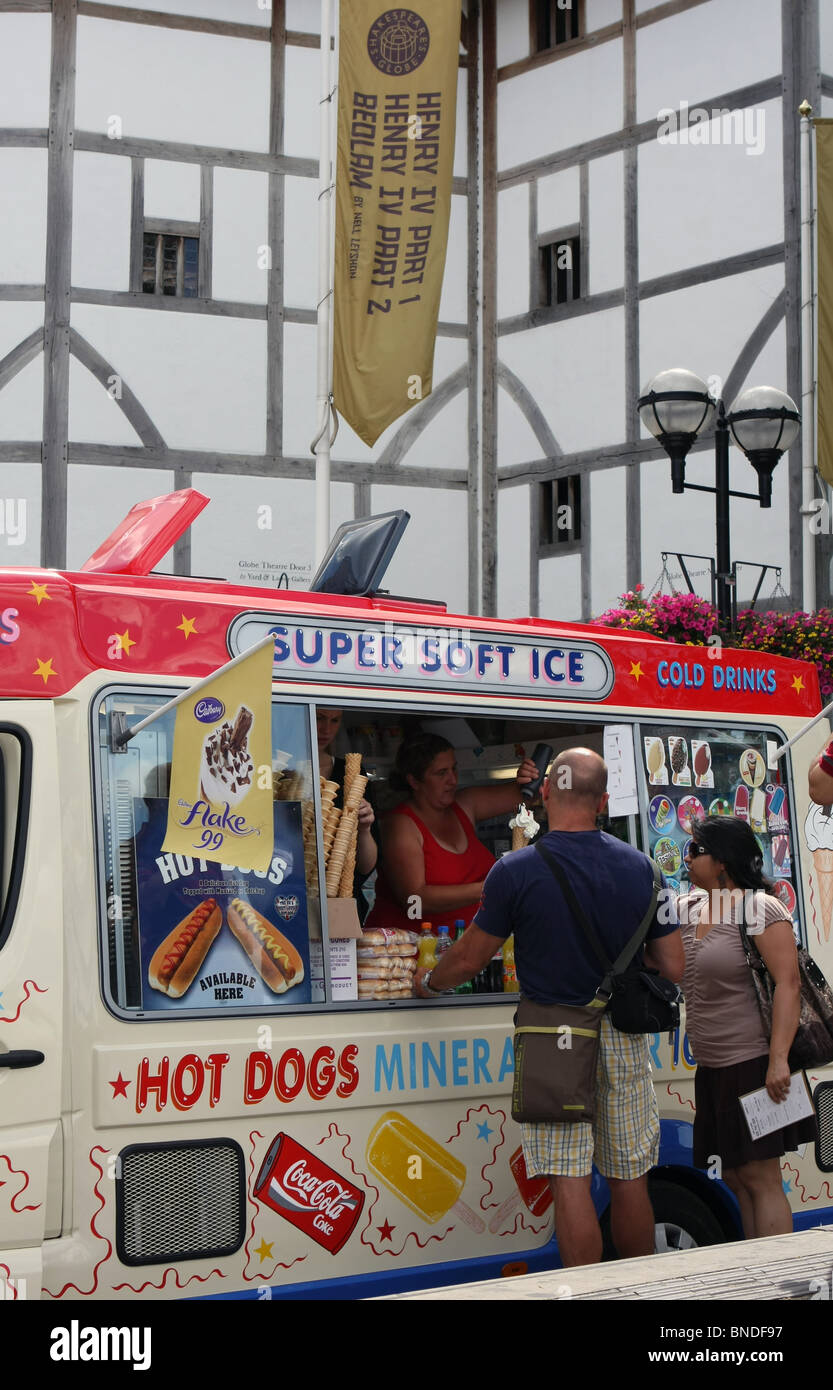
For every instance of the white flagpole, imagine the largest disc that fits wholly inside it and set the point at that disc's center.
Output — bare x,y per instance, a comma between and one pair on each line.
808,401
321,445
192,690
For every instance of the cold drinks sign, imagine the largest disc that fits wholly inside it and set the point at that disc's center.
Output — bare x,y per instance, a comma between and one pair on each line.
393,654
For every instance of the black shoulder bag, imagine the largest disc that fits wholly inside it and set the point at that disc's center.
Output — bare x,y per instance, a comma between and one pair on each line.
640,999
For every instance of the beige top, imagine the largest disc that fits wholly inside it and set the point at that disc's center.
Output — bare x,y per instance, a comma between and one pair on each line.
722,1016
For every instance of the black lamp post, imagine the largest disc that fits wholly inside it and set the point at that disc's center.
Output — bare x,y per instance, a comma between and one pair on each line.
764,423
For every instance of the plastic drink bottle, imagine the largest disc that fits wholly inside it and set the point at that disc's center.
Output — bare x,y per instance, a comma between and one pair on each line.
510,978
467,987
444,942
427,951
494,974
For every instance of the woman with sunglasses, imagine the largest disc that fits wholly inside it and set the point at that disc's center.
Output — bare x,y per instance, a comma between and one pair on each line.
732,1051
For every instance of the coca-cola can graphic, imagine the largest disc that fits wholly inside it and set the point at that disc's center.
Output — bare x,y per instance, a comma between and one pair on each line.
308,1193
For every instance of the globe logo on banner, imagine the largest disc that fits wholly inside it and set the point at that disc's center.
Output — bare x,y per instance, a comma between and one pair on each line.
398,42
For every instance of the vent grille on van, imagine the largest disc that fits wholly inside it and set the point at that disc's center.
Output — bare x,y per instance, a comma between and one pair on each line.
823,1099
183,1201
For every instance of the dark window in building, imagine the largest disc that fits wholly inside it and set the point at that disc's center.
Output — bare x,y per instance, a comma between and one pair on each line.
560,510
170,264
554,22
559,262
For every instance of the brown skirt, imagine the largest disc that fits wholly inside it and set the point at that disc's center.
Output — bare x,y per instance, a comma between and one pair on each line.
720,1130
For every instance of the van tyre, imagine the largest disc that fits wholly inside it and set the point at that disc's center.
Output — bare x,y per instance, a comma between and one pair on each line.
683,1220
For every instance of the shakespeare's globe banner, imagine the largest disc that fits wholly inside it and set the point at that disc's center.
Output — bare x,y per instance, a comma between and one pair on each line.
397,101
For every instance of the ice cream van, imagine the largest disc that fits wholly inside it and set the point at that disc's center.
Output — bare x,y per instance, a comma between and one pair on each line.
232,1138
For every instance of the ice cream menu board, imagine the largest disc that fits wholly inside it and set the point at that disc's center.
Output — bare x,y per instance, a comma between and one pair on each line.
215,936
715,772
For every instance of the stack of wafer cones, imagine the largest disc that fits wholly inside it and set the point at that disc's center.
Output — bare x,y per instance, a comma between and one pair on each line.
354,786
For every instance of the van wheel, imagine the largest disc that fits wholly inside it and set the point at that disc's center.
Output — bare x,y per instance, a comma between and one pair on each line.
682,1221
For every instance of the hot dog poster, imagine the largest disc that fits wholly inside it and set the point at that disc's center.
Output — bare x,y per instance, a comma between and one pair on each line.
213,935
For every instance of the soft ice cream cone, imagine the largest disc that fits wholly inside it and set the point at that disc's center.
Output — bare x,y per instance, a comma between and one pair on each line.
823,865
519,840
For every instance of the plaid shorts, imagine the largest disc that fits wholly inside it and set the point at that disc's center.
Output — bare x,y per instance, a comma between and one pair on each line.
623,1140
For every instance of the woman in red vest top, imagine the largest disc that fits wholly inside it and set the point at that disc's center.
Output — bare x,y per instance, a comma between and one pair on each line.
432,862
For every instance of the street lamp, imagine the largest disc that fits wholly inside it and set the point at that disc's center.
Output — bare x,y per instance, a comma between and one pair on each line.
676,407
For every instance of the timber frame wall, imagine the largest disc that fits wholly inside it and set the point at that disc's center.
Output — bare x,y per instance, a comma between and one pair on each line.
483,374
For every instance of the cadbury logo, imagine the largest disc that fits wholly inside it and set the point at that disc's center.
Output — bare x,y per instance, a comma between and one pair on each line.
209,711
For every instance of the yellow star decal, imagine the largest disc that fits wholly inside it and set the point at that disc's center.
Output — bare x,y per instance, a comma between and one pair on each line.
125,641
798,684
264,1250
636,670
186,626
38,591
44,669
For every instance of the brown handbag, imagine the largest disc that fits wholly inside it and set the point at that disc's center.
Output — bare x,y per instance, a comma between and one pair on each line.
556,1051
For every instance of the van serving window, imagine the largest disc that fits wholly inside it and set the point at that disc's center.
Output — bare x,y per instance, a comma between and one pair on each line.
15,791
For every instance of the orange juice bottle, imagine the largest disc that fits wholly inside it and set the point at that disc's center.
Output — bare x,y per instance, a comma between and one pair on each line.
427,953
510,978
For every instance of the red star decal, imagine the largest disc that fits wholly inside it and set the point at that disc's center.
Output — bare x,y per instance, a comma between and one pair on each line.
386,1231
119,1086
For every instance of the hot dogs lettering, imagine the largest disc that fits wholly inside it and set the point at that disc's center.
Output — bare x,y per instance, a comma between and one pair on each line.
185,1081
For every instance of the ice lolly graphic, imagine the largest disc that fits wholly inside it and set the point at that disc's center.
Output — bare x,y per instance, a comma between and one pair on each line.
702,763
535,1193
775,811
438,1178
757,810
742,801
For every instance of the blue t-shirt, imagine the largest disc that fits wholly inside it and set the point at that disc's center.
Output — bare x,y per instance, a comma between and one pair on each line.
613,883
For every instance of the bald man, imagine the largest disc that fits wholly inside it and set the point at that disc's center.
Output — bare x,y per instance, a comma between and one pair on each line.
556,965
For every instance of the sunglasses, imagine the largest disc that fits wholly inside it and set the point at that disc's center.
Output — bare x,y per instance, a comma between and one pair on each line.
695,849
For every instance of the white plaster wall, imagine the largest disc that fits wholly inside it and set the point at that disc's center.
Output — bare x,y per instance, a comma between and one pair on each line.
443,443
562,363
300,264
239,11
513,506
716,47
559,588
516,439
169,84
513,251
826,37
568,102
101,222
18,319
512,18
453,299
608,552
255,529
172,190
606,215
432,560
301,130
705,327
23,217
599,13
241,229
202,380
25,46
20,485
701,203
115,490
94,414
21,403
558,200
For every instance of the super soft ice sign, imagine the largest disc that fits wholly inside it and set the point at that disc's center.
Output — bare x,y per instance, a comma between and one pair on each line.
395,654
